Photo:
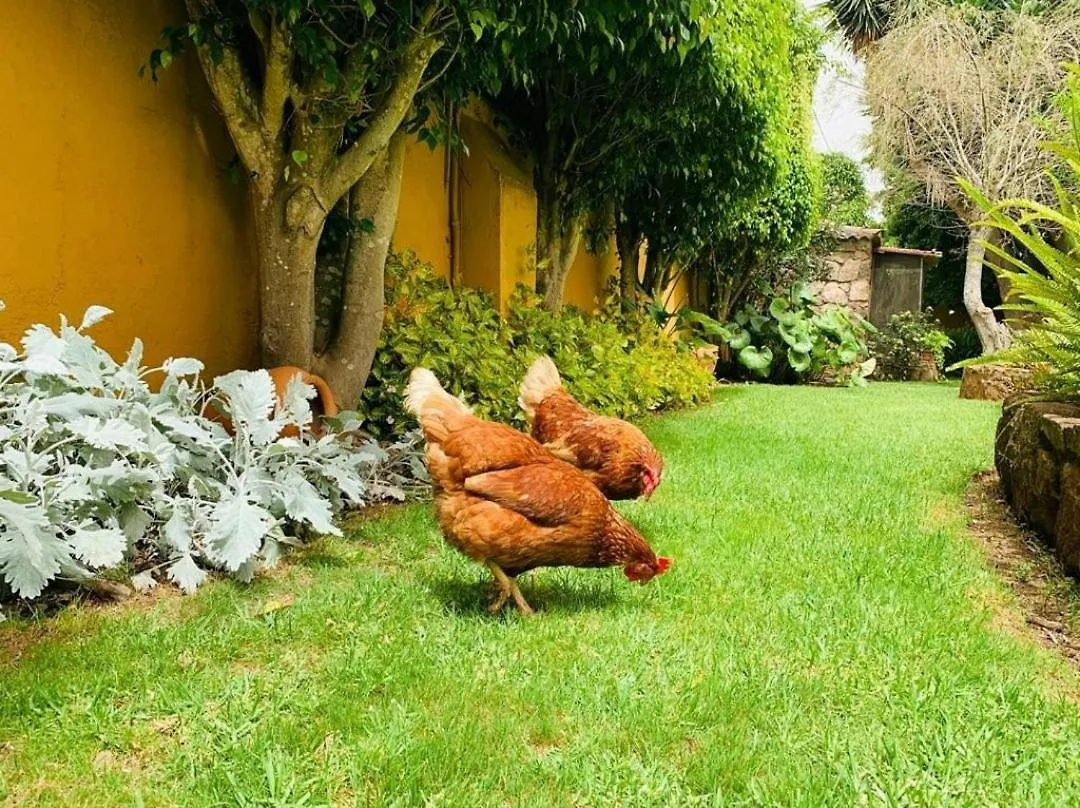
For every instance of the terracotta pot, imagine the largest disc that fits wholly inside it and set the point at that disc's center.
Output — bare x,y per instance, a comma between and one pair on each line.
927,369
323,405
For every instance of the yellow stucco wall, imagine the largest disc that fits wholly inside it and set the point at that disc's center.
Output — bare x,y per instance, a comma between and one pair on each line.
113,189
588,276
498,213
115,193
423,223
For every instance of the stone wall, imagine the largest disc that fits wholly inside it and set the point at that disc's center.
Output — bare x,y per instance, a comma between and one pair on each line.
1037,454
849,270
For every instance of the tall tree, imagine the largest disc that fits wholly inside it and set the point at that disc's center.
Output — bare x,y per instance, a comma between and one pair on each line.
965,94
581,86
717,147
844,198
316,95
747,246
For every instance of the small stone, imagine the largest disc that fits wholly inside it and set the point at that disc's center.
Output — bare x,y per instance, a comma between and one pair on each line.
860,291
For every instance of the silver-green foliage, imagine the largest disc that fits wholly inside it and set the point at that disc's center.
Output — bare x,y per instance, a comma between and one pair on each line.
97,468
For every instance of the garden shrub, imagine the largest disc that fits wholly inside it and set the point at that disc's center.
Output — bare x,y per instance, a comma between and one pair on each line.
98,471
793,340
898,347
615,363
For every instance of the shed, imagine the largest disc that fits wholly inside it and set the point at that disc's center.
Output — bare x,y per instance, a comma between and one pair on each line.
896,283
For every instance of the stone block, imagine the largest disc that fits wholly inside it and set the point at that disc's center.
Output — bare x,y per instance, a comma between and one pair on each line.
834,293
860,291
1063,433
993,382
1067,529
848,271
1040,480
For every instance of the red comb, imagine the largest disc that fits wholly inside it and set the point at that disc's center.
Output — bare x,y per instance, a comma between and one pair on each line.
662,565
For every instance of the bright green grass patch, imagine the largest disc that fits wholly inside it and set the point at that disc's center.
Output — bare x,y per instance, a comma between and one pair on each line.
824,636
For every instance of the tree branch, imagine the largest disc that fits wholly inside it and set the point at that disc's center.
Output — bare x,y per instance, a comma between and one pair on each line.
277,85
342,174
235,97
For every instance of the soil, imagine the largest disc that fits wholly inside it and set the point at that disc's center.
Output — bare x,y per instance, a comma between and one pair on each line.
1048,599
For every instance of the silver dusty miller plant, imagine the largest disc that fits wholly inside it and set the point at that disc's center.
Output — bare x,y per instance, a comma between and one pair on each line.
97,469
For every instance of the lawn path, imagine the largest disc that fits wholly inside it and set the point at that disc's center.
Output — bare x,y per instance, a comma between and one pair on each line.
825,638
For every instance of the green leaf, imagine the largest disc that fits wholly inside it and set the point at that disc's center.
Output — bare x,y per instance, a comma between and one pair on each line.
799,361
758,360
740,338
299,156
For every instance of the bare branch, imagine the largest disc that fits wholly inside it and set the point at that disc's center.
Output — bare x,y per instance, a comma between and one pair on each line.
959,93
343,173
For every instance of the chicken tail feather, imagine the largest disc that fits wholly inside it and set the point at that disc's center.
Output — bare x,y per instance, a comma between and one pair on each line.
430,403
541,380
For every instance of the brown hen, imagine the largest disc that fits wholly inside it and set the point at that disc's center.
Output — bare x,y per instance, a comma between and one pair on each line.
506,502
614,454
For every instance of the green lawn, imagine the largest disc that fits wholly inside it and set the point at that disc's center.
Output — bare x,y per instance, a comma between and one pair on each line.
826,637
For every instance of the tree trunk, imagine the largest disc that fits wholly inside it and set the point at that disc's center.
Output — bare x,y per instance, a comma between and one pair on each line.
558,234
628,242
656,265
993,335
286,249
346,364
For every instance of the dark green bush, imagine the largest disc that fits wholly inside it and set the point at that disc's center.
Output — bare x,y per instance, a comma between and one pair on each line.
616,363
964,345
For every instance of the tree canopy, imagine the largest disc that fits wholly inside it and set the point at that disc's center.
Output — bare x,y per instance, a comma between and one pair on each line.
844,198
645,93
725,142
746,245
965,95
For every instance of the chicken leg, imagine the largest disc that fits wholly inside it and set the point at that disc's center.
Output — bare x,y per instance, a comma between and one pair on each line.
508,588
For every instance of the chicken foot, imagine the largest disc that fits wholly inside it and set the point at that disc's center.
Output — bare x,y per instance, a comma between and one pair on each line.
507,588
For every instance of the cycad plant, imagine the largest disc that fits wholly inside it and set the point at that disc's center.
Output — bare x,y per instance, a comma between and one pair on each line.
1047,297
861,22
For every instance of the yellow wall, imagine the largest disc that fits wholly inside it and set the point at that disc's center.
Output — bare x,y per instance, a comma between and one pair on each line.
115,193
113,189
588,276
423,223
498,214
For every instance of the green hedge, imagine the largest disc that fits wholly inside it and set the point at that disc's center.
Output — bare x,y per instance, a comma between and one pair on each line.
616,363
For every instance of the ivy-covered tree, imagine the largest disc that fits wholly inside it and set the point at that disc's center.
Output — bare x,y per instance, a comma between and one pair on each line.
318,96
582,86
844,198
753,246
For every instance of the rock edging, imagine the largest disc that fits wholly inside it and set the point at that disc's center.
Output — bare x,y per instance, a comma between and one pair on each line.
1037,454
